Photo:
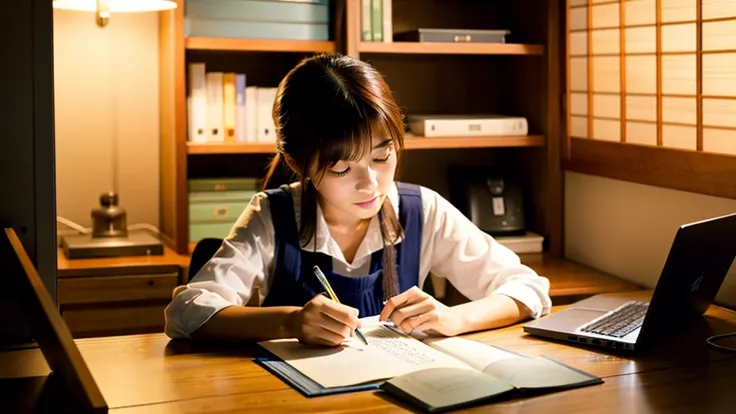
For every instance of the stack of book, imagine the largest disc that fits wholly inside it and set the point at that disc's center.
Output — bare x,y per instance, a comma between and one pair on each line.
376,22
258,19
222,108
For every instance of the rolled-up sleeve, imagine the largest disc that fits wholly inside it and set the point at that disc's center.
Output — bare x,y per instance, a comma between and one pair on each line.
231,277
475,263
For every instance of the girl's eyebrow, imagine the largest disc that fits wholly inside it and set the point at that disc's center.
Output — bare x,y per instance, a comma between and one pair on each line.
383,143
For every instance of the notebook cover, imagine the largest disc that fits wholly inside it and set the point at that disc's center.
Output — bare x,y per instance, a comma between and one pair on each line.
304,384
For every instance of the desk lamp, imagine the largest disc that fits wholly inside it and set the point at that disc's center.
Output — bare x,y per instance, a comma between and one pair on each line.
109,235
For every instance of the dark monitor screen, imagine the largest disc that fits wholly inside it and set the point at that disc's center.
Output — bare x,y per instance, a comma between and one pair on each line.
27,169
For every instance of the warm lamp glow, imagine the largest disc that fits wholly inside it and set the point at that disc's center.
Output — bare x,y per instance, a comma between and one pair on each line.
103,8
116,6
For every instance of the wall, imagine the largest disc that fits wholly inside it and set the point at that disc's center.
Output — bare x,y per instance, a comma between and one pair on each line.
626,229
106,96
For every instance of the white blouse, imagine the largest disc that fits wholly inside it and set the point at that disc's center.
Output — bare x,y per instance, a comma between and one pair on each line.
452,247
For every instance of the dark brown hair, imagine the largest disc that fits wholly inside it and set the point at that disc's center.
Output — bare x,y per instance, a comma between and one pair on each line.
327,109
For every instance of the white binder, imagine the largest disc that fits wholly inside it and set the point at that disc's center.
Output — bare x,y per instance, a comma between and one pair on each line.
215,119
197,103
266,128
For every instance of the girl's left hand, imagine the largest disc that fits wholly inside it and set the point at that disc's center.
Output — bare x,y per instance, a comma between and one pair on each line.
415,310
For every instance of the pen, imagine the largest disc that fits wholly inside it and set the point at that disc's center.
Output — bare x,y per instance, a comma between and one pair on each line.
323,280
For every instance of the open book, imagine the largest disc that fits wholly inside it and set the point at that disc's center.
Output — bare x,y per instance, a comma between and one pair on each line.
434,373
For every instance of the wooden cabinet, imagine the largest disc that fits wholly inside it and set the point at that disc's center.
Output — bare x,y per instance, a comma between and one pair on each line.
114,296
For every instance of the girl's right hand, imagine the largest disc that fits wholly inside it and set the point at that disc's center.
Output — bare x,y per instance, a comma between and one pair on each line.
323,321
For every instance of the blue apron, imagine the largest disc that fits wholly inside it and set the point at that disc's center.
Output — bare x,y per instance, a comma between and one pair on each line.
294,283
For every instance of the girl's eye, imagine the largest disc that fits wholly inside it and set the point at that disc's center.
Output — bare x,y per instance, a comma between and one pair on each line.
340,173
384,159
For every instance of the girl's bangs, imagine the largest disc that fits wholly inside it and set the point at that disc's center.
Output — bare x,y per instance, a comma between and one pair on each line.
352,139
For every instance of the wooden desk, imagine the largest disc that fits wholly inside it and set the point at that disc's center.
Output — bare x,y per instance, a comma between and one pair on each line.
150,373
118,295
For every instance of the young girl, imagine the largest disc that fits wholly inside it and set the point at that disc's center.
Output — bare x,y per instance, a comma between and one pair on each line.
341,132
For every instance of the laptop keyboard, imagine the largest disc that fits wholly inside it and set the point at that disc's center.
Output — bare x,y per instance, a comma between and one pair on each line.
620,322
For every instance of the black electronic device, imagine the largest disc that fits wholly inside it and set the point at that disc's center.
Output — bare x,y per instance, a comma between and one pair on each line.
492,199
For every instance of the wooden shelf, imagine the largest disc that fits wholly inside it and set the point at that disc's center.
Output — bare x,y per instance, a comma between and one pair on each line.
451,48
234,148
411,143
257,45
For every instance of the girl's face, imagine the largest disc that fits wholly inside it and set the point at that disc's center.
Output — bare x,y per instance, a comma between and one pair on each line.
355,190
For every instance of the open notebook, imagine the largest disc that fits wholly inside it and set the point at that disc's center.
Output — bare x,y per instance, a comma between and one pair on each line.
415,368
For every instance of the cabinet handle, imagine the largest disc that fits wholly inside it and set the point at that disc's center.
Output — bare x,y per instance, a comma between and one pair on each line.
151,283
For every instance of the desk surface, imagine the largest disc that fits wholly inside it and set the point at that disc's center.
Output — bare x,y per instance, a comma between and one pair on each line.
150,373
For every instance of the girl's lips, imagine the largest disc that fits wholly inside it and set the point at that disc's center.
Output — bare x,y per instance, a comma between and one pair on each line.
367,204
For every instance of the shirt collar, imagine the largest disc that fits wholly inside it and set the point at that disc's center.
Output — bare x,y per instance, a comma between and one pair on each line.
323,242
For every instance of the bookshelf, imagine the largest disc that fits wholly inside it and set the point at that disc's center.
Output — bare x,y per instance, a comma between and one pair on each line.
521,77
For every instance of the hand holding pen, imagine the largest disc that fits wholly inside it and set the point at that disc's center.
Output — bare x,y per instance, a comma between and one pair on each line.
326,284
323,321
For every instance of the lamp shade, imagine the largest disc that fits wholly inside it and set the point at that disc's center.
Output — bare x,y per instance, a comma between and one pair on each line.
116,6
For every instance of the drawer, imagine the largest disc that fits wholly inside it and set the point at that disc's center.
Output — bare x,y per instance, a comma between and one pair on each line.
107,289
115,321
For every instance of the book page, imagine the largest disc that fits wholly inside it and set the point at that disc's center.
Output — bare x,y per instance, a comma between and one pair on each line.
446,387
476,354
387,355
536,372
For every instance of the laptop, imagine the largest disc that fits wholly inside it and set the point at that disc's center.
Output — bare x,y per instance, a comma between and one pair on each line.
700,257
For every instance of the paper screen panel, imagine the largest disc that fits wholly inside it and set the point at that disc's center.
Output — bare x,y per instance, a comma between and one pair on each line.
606,41
679,110
641,74
640,12
679,137
679,74
678,11
606,105
719,112
579,43
641,108
605,16
719,35
721,141
579,126
606,74
718,9
579,103
607,129
641,39
578,18
643,133
679,38
719,74
579,74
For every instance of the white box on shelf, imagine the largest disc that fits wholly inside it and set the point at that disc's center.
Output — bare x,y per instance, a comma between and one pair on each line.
528,243
467,125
